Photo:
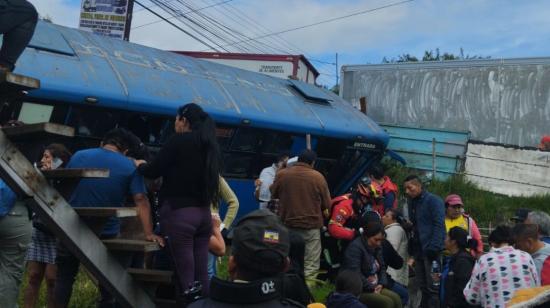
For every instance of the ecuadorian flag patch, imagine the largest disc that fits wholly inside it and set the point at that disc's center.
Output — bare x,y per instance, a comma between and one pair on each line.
271,236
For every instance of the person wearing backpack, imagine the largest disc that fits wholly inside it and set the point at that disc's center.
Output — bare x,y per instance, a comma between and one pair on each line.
457,270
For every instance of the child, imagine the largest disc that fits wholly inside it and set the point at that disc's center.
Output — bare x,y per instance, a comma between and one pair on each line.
348,288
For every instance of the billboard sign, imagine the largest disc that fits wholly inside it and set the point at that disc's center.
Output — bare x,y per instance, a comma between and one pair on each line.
104,17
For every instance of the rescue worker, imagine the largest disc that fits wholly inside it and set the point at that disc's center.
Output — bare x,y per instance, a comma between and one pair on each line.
346,210
389,189
344,223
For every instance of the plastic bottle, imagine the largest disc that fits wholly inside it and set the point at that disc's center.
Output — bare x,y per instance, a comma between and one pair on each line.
436,272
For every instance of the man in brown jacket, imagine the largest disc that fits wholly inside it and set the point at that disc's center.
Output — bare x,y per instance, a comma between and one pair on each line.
304,199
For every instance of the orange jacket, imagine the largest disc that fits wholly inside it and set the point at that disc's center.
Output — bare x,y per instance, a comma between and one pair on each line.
387,188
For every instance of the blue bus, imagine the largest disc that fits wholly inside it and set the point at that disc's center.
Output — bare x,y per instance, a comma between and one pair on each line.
95,83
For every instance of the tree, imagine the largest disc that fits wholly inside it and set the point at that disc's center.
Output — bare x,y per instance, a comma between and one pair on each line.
431,55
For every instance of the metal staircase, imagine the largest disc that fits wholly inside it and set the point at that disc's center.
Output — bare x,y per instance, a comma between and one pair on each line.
73,226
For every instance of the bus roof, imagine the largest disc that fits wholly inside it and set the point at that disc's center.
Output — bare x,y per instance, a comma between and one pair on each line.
78,67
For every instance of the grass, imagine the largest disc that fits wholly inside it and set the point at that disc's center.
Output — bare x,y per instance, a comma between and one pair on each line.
84,295
485,207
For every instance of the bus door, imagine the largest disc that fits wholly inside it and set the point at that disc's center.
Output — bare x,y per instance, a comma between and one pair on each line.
343,162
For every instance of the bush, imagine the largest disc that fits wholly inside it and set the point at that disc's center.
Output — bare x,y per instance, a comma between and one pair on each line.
485,207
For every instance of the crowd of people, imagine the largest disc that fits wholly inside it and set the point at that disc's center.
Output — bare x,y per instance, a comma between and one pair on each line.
428,253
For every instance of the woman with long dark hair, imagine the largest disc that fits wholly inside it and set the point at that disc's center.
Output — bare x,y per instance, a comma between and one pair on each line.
189,164
458,270
42,251
364,255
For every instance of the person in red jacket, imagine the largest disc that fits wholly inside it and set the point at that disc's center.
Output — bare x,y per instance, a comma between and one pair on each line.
344,223
389,189
347,210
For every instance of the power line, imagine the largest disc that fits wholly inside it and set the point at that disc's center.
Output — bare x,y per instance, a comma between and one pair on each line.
287,47
327,21
206,27
184,13
142,9
176,26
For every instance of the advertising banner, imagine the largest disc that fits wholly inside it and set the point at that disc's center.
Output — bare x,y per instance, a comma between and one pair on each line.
104,17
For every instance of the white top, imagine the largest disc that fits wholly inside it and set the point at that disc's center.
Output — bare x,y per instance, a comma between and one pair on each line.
396,235
267,176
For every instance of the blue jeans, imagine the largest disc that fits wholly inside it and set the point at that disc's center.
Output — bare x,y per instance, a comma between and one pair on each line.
211,265
402,292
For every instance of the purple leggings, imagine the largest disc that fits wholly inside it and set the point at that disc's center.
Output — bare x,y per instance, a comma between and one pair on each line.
188,230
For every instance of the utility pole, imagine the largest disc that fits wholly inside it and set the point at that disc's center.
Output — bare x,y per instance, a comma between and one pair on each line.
336,69
129,15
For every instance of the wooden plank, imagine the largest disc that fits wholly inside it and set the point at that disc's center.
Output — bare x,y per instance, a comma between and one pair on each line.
76,173
149,275
131,245
165,303
106,211
11,82
38,130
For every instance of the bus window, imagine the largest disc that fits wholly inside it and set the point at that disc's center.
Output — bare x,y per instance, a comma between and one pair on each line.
237,165
276,143
224,134
93,122
346,168
329,150
246,140
148,128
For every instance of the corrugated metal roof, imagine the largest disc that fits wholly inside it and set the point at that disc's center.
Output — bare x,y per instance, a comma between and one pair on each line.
134,77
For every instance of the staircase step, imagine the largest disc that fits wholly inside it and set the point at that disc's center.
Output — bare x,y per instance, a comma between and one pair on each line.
10,82
38,130
149,275
76,173
106,211
131,245
165,303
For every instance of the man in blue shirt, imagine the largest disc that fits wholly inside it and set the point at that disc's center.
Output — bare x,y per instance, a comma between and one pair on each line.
15,235
123,181
427,213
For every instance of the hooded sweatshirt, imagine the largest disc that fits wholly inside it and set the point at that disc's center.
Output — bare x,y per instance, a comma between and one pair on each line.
343,300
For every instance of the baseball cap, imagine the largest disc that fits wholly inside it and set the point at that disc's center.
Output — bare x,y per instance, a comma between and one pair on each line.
260,231
453,200
521,215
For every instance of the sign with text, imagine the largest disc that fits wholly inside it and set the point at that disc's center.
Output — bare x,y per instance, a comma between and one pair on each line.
104,17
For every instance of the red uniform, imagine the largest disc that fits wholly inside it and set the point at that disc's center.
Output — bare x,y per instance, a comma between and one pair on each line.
342,211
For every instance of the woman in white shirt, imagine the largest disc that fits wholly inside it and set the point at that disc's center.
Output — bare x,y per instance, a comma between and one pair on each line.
396,235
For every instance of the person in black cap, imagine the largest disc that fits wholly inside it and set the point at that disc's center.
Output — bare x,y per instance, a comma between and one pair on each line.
521,215
260,247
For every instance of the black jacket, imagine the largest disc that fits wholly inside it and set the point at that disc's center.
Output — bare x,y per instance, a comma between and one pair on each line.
460,270
263,293
343,300
360,258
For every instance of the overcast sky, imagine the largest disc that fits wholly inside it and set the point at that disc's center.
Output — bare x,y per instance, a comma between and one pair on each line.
495,28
